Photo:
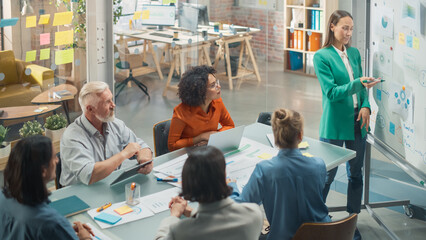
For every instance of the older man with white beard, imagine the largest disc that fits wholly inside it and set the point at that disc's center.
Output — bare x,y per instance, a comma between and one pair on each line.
96,143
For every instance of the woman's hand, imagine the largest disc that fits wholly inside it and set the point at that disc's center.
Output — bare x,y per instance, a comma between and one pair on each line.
364,114
370,82
83,231
178,206
203,138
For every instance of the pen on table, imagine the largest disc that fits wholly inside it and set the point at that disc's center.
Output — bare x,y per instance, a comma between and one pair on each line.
167,179
133,188
367,81
100,209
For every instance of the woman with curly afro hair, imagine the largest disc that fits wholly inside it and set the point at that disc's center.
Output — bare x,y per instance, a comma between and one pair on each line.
201,110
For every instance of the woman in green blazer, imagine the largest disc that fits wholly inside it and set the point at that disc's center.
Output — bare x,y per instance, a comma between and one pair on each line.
346,110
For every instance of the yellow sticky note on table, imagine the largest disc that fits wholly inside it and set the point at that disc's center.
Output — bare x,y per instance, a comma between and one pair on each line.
401,38
416,43
137,15
62,18
44,54
307,155
44,19
64,37
30,56
303,145
265,156
31,22
123,210
64,56
145,14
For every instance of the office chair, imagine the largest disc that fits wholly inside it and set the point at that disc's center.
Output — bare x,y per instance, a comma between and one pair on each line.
265,118
343,229
129,62
161,135
58,172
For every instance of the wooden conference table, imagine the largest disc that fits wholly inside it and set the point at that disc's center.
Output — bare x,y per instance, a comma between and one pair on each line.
100,193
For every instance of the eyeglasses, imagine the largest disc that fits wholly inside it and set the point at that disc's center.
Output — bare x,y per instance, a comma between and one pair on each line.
215,85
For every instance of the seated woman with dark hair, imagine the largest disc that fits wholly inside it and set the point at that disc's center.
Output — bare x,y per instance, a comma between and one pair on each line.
201,110
24,211
289,185
217,217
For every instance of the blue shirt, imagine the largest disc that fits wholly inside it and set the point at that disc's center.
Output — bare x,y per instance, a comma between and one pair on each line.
82,145
19,221
290,187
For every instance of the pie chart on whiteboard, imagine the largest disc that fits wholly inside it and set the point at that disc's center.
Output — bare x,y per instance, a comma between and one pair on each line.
385,21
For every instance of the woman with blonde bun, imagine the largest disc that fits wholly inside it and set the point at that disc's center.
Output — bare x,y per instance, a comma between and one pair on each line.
289,185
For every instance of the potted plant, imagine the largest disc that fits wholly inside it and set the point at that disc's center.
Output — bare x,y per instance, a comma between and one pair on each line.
4,146
55,126
31,128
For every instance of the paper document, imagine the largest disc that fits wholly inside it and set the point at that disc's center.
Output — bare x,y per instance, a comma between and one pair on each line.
159,202
139,211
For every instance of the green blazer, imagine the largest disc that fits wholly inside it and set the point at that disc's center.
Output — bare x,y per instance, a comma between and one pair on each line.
337,120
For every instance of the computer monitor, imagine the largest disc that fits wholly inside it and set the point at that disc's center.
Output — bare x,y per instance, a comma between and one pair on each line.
158,15
188,18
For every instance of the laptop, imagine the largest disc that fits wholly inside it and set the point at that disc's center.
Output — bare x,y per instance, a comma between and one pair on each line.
227,140
127,173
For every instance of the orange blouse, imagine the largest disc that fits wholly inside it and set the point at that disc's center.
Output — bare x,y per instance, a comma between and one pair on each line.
189,122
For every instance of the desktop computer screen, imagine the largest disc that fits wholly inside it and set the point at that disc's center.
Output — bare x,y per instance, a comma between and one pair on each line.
159,15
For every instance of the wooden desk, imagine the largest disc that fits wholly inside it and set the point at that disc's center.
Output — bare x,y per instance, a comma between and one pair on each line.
22,112
43,98
227,37
3,161
179,48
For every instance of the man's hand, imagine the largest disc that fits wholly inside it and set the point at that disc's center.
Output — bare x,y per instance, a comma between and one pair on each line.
131,149
145,155
364,114
83,231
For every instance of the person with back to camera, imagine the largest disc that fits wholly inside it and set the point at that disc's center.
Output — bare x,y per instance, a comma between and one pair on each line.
289,185
201,110
24,209
346,110
217,217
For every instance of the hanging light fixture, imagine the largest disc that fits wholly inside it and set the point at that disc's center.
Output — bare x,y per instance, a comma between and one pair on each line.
26,8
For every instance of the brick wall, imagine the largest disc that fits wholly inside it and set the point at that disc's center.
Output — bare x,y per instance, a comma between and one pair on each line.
269,42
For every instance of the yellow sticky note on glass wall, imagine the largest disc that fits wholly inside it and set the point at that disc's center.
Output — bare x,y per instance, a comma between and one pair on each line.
31,22
145,14
44,19
64,37
62,18
401,38
64,56
137,15
30,56
44,54
416,43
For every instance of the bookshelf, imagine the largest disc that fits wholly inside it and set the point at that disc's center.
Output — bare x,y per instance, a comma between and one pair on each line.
305,24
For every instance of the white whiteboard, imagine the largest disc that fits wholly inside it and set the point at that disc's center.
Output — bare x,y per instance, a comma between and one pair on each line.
397,53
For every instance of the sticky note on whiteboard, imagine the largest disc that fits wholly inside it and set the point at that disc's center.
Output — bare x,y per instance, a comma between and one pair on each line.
62,18
137,15
145,14
8,22
64,56
44,39
31,21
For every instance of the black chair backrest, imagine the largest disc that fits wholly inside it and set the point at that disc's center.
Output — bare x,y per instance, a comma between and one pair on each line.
161,135
265,118
58,172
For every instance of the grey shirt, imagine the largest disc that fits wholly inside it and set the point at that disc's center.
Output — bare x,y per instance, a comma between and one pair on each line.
82,145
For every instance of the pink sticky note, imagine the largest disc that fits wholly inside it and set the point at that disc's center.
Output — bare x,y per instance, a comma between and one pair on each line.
44,38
